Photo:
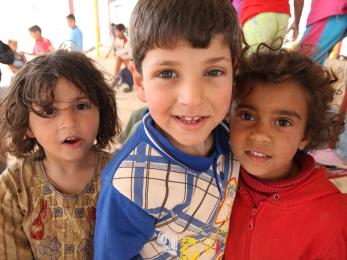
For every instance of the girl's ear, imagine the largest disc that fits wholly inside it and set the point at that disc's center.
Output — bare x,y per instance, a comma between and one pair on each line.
30,133
304,142
138,82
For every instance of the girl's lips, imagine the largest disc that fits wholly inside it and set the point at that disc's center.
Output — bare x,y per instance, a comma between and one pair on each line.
257,156
72,141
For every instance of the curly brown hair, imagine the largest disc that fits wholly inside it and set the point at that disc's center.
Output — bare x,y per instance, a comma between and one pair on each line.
161,23
268,65
37,79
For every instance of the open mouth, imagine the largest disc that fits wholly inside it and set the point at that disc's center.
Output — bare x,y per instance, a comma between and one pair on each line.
71,140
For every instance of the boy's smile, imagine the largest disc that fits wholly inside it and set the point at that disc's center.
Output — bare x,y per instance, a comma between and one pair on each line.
188,91
268,127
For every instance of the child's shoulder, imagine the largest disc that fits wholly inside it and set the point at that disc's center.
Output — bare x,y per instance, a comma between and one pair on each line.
19,171
104,156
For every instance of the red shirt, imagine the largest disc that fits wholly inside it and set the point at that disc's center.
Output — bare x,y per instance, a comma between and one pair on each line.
306,221
251,8
42,46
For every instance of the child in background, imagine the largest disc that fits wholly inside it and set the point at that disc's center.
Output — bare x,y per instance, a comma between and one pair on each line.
169,191
42,45
57,116
19,57
285,208
123,52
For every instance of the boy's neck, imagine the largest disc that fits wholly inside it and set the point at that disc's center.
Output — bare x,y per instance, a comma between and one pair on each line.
202,150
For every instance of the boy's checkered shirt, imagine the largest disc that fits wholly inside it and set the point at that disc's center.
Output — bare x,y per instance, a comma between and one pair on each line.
188,198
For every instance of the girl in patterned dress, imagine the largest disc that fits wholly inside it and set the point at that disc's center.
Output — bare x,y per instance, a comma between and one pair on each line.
56,118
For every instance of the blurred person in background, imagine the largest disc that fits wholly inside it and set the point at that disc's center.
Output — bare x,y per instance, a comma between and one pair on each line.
266,21
326,25
75,34
42,45
19,57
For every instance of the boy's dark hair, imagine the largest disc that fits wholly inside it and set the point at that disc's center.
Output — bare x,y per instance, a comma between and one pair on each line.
120,27
268,65
71,17
161,23
35,28
35,83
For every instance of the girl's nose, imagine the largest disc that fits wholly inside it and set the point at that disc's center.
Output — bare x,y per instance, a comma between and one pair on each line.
260,133
68,118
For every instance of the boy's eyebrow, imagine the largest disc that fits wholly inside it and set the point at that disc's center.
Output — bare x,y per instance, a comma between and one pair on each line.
172,63
279,111
164,63
218,59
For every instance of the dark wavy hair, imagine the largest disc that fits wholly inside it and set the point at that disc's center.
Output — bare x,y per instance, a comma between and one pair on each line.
161,23
268,65
37,79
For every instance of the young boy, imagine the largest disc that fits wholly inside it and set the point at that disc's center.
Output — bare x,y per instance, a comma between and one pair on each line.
42,45
285,208
75,33
169,191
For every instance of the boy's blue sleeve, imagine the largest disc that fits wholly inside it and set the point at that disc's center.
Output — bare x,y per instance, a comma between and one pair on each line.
122,228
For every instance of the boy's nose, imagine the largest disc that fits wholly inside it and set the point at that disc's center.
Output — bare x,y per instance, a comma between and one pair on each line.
191,93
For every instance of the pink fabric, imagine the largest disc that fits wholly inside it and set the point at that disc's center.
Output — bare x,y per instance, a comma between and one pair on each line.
329,157
42,46
321,9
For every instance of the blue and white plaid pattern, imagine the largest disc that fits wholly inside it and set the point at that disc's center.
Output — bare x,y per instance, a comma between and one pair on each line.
192,208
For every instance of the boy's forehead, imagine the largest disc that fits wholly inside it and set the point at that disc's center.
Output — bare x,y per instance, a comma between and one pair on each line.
217,47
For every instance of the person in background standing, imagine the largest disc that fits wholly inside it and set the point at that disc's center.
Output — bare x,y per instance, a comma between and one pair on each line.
76,36
267,21
42,45
123,56
326,25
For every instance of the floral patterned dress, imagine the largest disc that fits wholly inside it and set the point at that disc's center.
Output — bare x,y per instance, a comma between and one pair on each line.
37,221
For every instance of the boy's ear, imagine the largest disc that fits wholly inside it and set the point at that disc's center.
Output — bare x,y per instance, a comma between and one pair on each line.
138,82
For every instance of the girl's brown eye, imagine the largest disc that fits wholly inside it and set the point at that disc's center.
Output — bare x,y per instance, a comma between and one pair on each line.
283,122
82,106
47,111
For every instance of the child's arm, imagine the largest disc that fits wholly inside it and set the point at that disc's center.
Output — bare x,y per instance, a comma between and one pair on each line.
12,68
14,243
122,228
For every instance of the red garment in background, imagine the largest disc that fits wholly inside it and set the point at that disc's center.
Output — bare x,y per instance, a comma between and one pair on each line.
42,46
251,8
